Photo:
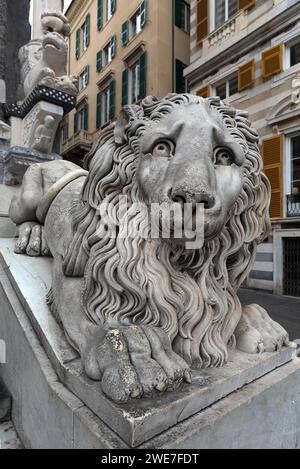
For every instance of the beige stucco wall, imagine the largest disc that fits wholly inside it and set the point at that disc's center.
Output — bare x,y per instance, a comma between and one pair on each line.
157,37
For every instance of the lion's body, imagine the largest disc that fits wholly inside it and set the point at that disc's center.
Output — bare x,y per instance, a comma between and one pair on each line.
190,295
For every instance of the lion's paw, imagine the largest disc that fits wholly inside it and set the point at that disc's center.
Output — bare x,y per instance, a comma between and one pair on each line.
257,332
135,361
31,240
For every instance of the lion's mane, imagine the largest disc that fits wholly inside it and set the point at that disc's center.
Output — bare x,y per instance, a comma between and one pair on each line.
190,294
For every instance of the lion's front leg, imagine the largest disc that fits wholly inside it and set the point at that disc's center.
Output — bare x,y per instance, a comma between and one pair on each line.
31,240
257,332
134,361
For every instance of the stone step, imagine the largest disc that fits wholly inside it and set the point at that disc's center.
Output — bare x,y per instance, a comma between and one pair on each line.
8,437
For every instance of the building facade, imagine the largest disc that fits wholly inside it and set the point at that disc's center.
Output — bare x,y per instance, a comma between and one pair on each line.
122,51
248,53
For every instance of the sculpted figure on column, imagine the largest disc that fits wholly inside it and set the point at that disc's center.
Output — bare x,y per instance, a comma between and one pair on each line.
44,60
143,310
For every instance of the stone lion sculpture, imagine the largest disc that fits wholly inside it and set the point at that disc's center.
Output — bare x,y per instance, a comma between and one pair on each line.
140,311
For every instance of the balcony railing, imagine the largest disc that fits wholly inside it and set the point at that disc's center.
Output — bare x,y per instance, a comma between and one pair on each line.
222,33
80,139
293,205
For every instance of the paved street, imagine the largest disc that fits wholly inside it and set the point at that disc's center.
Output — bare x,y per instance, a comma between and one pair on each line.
282,309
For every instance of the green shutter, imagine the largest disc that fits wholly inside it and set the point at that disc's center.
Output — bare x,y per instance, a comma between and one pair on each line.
100,15
112,99
178,15
67,128
113,6
75,123
99,110
86,117
143,13
99,61
87,71
88,29
143,76
125,33
113,46
77,44
125,87
180,80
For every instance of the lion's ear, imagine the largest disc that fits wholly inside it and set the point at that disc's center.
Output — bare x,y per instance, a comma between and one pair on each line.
121,126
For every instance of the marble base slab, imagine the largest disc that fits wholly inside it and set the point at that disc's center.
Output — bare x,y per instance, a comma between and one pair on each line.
140,420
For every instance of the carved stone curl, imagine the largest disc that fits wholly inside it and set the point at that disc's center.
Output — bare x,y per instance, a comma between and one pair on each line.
141,311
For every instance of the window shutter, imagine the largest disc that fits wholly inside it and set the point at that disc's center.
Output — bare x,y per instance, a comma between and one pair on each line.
99,110
180,80
67,128
112,99
77,44
87,74
86,117
272,61
245,4
75,123
88,29
272,151
125,33
113,46
204,92
143,76
202,19
113,6
100,15
125,84
246,75
143,13
99,61
178,16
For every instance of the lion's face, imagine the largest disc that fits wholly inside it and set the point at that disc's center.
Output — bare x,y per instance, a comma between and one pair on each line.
189,156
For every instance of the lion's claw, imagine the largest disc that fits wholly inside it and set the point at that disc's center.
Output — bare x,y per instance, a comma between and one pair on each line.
31,240
257,332
136,361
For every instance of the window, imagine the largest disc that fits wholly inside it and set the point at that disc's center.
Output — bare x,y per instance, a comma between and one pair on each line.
110,8
227,88
135,82
180,80
224,10
182,15
106,105
85,32
136,26
105,56
65,131
295,165
81,119
138,20
83,79
295,54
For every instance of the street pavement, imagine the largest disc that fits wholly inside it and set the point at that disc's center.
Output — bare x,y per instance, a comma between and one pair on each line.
283,309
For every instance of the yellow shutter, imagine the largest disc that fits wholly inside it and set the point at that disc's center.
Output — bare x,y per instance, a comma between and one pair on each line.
246,75
272,61
202,19
272,151
204,92
245,4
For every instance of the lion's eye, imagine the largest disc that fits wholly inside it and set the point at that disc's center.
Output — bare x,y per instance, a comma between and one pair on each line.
223,157
164,148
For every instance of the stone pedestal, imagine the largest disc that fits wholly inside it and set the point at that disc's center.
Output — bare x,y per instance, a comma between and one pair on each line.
251,402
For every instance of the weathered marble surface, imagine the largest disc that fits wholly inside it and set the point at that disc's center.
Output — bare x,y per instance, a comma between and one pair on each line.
138,421
144,311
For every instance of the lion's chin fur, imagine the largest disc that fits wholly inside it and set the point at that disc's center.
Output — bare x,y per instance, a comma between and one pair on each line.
190,294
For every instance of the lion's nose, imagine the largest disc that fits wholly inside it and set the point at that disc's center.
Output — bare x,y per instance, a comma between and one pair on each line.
182,197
